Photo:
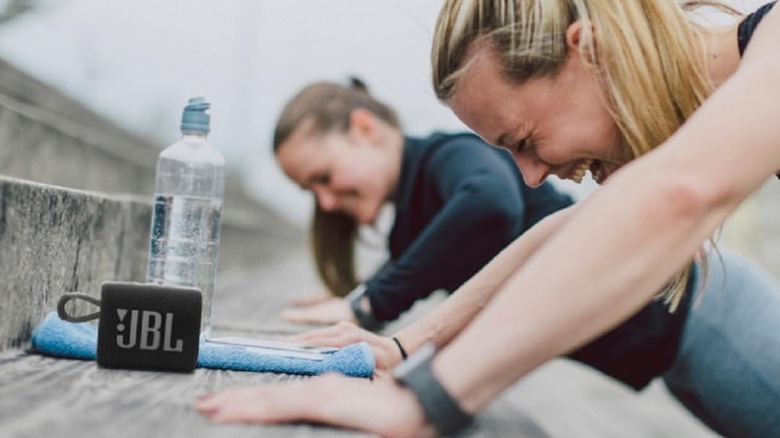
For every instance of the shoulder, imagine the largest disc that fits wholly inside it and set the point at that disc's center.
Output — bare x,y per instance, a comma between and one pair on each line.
466,150
749,24
759,32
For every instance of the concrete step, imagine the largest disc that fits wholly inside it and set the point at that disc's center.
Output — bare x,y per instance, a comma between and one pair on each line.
55,240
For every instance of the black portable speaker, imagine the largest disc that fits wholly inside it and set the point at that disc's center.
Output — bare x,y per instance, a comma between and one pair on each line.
149,326
146,326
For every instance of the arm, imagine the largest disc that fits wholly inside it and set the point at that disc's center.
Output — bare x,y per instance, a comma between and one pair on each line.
658,209
447,320
459,210
380,406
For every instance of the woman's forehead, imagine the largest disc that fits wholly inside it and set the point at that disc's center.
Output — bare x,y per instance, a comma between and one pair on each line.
482,96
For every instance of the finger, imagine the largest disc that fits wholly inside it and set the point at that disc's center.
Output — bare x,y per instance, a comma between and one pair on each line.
337,335
296,315
309,300
269,403
309,315
251,405
382,408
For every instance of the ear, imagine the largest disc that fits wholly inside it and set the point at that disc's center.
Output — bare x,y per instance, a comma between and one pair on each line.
573,34
580,41
363,124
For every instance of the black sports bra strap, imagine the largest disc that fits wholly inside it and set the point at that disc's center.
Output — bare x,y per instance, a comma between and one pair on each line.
749,24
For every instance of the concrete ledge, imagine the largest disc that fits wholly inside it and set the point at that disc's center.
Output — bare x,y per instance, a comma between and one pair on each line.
55,240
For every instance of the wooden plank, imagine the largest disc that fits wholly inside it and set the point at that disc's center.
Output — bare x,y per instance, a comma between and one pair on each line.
41,395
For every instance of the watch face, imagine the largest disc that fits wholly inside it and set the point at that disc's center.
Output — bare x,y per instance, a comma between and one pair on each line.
420,356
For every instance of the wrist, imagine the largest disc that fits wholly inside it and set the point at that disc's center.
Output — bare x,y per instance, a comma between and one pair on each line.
440,408
361,309
401,349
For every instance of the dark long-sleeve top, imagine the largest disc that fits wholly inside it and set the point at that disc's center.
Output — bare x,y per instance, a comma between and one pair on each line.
459,201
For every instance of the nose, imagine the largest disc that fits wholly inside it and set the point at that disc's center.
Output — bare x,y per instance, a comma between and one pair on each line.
325,198
533,170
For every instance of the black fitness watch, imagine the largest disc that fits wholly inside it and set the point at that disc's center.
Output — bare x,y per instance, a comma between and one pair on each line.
440,408
365,319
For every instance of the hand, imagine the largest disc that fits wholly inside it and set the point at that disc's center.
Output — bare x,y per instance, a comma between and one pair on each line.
309,300
330,311
381,407
386,353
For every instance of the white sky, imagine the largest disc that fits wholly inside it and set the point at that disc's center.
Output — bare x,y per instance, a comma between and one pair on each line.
138,61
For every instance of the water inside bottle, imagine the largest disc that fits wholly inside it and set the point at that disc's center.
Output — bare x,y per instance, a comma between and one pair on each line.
190,257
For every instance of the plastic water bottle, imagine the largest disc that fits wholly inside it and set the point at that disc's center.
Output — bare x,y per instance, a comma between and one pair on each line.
187,212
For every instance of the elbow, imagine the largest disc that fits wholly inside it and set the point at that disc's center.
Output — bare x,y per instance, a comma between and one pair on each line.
495,208
686,199
504,220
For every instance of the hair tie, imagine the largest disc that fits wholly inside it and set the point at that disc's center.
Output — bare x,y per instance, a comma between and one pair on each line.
400,347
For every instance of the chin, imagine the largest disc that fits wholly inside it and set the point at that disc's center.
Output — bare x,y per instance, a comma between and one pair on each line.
362,218
367,218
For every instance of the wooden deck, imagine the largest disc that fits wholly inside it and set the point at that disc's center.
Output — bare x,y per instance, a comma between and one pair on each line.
43,397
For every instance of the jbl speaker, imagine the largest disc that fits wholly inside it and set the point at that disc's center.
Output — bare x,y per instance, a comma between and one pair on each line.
149,326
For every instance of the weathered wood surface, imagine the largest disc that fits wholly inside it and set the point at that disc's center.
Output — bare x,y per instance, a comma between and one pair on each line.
42,396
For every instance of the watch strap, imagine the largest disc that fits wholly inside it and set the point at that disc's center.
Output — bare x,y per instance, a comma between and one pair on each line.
439,406
364,319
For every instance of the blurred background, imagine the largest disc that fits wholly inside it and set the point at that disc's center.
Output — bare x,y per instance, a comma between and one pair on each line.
92,90
137,62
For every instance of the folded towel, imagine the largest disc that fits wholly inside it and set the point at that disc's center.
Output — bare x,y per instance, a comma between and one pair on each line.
59,338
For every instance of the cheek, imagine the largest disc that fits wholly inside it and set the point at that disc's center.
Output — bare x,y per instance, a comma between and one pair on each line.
605,134
344,176
370,198
573,141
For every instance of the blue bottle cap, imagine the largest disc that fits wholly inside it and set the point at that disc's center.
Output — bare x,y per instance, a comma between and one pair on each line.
194,118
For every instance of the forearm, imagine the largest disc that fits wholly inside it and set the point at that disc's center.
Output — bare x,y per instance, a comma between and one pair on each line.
452,249
448,319
563,297
477,215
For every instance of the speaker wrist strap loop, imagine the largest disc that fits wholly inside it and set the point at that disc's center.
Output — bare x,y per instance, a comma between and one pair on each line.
62,312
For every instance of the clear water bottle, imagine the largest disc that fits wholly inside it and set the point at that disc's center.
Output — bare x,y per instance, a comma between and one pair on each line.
187,210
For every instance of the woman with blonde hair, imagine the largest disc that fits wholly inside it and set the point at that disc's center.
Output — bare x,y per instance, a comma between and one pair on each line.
677,122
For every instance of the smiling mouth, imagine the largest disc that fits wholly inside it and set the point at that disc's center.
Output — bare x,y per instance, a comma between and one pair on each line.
595,168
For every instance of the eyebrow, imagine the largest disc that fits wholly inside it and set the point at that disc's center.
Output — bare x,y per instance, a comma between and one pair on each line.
312,180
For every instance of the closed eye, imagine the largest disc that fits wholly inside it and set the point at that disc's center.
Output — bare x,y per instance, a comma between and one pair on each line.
521,145
320,180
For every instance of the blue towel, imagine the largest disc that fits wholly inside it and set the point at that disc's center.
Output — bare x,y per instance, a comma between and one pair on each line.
59,338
